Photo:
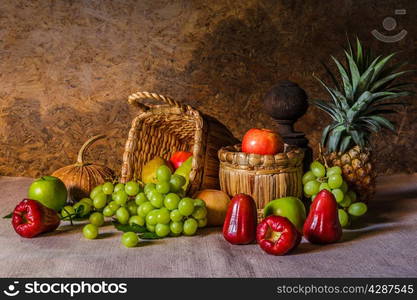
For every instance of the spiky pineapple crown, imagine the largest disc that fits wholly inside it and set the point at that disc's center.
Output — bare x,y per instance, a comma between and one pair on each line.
360,97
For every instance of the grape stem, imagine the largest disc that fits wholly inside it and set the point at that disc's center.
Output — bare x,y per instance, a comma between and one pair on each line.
321,156
68,215
322,179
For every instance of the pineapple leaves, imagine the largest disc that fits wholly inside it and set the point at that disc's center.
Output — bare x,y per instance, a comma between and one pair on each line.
383,122
338,98
331,75
324,134
345,144
365,90
354,72
380,66
388,79
327,131
345,78
357,138
364,81
359,105
359,53
341,100
329,108
390,70
400,87
334,138
381,97
371,124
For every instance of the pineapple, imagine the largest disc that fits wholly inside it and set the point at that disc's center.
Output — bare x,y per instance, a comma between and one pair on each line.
359,99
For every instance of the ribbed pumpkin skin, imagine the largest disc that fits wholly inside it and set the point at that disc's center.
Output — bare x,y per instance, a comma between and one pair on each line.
80,178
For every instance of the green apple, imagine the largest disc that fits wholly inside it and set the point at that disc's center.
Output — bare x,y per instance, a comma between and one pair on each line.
290,207
50,191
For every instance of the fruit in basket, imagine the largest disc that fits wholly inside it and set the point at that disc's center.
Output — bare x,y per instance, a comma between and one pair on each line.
150,168
50,191
366,92
276,235
179,157
81,177
322,225
184,171
240,223
290,207
31,218
262,141
217,203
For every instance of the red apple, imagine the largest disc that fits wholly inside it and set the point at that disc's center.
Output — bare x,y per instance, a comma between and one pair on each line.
262,141
179,157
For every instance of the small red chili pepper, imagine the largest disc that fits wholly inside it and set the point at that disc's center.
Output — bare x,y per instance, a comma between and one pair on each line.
276,235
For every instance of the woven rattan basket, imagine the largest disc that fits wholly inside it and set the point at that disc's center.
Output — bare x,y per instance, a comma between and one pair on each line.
264,177
161,130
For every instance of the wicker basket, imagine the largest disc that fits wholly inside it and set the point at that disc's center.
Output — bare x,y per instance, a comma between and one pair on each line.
264,177
161,130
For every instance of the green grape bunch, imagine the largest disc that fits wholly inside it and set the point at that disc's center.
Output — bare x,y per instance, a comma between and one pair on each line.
321,178
159,208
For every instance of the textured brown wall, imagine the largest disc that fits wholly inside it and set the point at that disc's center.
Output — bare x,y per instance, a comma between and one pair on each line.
67,67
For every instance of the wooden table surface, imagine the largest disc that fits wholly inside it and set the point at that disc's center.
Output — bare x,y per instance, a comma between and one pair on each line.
385,244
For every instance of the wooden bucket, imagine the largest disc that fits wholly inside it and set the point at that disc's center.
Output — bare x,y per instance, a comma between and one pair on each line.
161,130
264,177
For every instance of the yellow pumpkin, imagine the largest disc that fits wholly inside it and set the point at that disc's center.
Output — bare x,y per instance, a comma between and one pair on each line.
81,177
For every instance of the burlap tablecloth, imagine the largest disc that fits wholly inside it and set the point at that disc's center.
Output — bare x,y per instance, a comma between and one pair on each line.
385,244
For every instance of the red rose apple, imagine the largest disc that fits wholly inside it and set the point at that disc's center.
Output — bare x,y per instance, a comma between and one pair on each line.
262,141
31,218
179,157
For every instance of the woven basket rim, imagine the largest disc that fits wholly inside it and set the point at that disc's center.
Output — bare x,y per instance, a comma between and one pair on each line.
291,157
173,108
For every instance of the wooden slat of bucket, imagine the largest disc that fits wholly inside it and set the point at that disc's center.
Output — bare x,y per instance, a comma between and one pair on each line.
264,185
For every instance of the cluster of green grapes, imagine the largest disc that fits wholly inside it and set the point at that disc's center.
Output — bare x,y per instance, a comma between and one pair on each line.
161,208
319,178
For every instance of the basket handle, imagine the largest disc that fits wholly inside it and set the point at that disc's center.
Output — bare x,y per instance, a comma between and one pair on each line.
135,99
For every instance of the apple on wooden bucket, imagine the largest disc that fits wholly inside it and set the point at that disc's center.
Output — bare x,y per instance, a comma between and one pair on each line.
262,141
